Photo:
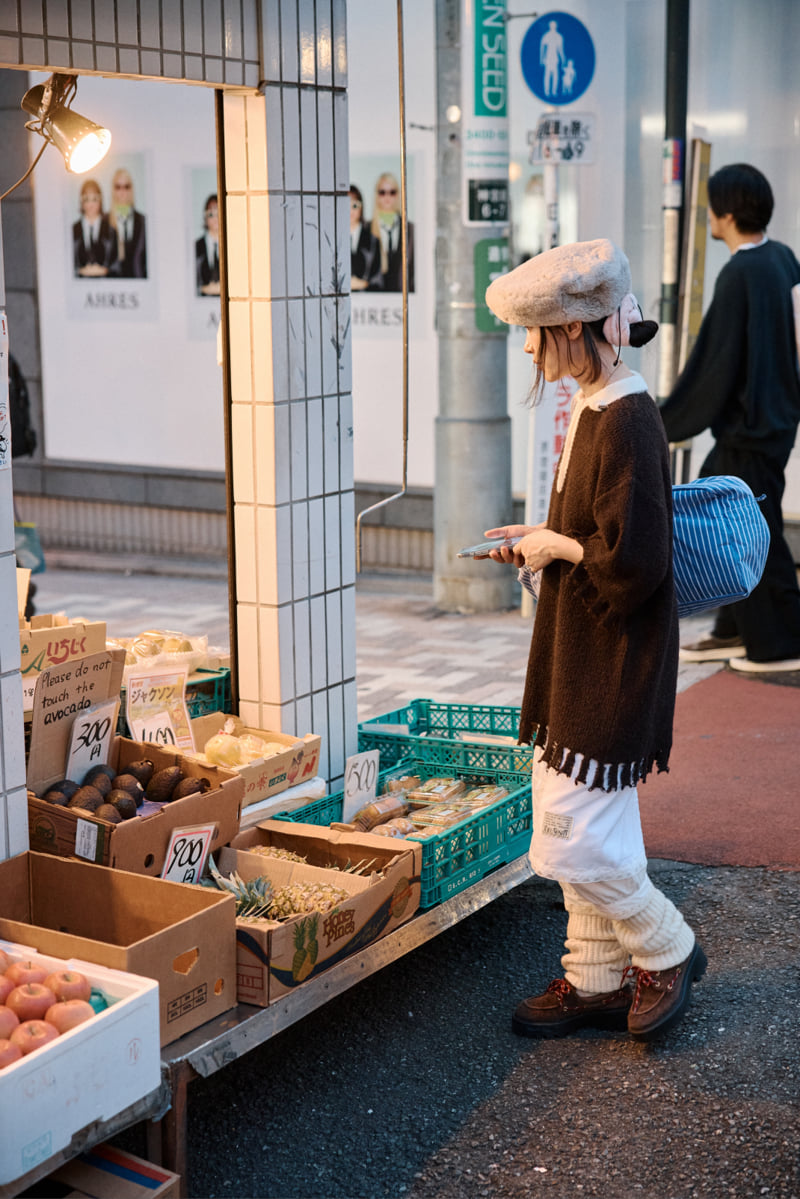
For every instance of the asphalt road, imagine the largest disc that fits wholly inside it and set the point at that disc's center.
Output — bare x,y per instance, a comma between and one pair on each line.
411,1084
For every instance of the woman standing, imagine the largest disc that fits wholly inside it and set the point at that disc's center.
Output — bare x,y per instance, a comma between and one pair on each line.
94,243
365,251
600,687
386,226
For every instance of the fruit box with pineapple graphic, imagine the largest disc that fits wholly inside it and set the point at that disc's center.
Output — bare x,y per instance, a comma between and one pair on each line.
273,957
264,777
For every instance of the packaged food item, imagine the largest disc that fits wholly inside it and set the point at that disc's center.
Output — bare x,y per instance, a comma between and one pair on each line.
483,797
379,811
436,789
387,830
439,816
400,786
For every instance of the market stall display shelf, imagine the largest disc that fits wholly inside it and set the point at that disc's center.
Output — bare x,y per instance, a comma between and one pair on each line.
206,691
423,726
457,856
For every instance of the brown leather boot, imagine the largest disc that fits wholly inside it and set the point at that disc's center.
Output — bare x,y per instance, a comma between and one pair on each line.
661,997
560,1010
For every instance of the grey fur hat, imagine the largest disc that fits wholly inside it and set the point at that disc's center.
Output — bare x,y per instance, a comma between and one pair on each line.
582,281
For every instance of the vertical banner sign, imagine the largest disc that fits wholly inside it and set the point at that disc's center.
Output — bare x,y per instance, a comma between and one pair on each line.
5,414
484,107
693,273
490,259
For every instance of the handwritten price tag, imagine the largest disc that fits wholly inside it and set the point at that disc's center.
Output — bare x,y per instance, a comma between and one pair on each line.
187,852
90,739
157,711
360,781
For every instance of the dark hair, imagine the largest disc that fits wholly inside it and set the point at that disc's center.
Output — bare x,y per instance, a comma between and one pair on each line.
591,334
745,193
354,191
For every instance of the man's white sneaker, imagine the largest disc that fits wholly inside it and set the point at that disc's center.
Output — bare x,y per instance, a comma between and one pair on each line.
748,666
713,649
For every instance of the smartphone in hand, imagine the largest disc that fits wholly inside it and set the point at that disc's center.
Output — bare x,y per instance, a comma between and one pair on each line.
482,549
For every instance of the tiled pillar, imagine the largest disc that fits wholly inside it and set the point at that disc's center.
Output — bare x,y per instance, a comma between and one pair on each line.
286,179
13,793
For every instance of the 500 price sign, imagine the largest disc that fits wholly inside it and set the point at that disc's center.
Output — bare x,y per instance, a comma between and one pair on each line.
360,781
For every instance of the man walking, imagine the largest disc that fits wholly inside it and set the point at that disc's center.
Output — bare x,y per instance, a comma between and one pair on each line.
741,381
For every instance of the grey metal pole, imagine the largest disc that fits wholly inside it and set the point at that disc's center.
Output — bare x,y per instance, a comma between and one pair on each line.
473,429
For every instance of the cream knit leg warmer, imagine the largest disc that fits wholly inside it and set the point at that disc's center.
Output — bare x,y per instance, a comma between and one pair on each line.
643,921
594,960
657,937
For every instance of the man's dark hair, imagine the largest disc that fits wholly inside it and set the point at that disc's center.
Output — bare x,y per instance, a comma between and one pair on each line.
745,193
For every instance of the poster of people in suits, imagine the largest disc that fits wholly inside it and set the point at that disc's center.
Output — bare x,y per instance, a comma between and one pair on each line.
375,225
202,251
110,235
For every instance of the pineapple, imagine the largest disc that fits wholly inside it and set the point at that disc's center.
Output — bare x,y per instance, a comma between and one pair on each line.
272,851
253,899
299,898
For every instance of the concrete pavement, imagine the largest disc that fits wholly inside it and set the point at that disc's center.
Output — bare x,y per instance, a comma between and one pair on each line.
412,1085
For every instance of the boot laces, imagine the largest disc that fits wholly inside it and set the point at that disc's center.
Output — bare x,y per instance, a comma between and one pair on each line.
561,988
642,978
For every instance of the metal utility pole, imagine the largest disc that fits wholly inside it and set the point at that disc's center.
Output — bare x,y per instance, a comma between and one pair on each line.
674,157
473,429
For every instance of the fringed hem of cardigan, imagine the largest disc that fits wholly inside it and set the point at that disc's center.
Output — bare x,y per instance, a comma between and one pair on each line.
605,776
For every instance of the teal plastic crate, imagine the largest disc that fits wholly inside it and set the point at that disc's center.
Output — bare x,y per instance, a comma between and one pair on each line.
206,691
425,727
459,856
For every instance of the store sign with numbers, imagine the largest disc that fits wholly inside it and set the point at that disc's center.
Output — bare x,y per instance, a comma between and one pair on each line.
156,709
562,138
484,112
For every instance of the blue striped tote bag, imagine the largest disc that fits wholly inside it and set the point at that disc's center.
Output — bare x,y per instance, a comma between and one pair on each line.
720,542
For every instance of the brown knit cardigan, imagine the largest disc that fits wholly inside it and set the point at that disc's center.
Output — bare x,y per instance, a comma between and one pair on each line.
603,664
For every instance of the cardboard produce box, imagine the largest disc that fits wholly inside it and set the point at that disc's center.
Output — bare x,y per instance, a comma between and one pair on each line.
273,957
106,1172
46,641
181,936
88,1074
139,844
264,776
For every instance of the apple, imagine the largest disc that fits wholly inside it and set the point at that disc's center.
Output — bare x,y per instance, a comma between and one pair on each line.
68,984
8,1021
26,972
68,1014
9,1052
32,1034
6,987
30,1001
5,961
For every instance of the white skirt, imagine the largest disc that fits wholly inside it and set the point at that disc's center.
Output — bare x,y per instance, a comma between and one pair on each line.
583,836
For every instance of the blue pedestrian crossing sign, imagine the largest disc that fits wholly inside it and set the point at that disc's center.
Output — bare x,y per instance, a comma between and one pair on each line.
557,58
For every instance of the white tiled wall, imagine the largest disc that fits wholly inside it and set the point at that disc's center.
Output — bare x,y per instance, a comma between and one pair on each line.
287,177
286,184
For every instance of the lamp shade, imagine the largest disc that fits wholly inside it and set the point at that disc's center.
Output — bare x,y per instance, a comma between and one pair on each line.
81,142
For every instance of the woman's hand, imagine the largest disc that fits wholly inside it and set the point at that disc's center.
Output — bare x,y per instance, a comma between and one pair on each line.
508,553
538,546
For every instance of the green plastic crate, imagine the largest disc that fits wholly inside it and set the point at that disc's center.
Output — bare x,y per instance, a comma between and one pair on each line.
459,856
206,691
425,727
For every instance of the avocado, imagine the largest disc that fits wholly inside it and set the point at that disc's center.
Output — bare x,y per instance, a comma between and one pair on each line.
163,783
127,782
191,786
109,813
88,798
124,802
141,770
